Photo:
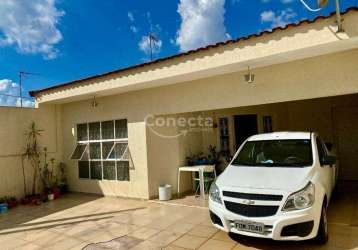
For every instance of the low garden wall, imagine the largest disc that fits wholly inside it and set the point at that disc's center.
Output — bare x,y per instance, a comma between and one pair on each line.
14,122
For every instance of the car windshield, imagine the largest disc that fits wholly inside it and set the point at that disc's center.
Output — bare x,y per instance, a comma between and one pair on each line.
275,153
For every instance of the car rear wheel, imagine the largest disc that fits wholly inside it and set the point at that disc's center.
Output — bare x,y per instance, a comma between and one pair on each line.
322,236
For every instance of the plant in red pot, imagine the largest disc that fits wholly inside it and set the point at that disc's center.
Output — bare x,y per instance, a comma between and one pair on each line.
11,201
56,192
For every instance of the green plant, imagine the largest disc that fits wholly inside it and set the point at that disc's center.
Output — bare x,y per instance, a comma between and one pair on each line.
62,174
214,156
47,173
193,159
32,154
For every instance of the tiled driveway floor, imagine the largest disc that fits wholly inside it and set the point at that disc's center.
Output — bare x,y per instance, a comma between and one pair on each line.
77,220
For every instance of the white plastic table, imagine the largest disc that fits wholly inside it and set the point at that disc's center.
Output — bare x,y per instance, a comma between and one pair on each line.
201,169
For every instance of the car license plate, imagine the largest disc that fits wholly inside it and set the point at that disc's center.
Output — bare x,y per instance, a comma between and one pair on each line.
249,226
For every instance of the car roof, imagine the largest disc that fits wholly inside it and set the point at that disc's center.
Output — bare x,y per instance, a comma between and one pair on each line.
281,136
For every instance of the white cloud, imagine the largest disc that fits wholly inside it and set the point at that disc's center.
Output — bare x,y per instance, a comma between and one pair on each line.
202,23
130,16
133,28
8,92
267,16
279,18
31,26
144,45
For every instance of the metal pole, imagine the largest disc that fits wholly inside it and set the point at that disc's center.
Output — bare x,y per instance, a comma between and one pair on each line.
20,83
150,44
339,18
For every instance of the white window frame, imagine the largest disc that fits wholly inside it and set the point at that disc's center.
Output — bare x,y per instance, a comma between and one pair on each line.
125,151
103,159
80,159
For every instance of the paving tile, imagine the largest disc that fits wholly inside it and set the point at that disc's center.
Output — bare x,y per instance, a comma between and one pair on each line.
161,224
46,238
189,242
223,236
171,247
203,231
64,243
217,244
120,230
144,233
164,238
30,246
76,220
96,237
147,245
79,246
180,227
11,243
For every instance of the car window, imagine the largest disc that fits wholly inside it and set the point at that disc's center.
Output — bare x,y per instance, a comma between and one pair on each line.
275,153
321,150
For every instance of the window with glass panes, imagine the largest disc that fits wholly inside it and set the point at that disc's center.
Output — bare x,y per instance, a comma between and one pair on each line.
102,150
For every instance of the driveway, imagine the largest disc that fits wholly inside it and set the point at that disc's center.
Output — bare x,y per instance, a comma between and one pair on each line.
78,221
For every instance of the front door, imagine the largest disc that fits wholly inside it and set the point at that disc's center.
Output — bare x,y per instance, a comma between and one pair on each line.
245,126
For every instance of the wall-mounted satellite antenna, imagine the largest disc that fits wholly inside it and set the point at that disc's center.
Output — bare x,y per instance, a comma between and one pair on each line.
153,40
22,75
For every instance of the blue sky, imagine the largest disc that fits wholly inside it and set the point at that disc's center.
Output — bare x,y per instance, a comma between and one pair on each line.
64,40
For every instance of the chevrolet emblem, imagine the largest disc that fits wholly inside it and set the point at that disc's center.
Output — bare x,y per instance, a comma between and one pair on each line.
248,202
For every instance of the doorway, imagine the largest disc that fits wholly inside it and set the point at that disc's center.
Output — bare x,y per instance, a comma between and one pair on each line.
245,126
346,126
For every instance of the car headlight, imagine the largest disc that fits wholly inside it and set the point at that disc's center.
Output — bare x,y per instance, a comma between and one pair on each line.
301,199
214,193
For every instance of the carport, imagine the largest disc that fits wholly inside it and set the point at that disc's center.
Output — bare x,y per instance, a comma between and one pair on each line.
334,118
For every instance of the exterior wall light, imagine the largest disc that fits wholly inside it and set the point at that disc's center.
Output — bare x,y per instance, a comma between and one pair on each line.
249,77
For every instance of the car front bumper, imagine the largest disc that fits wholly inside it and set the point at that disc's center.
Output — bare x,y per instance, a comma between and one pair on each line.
305,222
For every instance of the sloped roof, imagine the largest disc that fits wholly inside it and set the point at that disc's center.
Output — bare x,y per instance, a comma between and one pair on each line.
252,36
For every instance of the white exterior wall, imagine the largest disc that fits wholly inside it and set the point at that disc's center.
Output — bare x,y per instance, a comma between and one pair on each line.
156,160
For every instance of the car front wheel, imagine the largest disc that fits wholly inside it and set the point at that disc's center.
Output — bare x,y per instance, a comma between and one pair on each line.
322,236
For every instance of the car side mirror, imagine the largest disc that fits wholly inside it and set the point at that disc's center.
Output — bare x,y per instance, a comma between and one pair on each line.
329,160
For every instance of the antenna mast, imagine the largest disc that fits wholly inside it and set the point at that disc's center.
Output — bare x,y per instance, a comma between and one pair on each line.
152,41
22,74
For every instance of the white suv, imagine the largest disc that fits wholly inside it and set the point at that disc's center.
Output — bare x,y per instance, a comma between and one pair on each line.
277,186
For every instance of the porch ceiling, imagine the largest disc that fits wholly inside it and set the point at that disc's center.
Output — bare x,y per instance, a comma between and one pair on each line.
303,41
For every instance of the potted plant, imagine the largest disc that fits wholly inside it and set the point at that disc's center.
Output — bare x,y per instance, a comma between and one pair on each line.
32,155
50,196
48,178
3,206
62,178
214,156
11,201
35,200
56,192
